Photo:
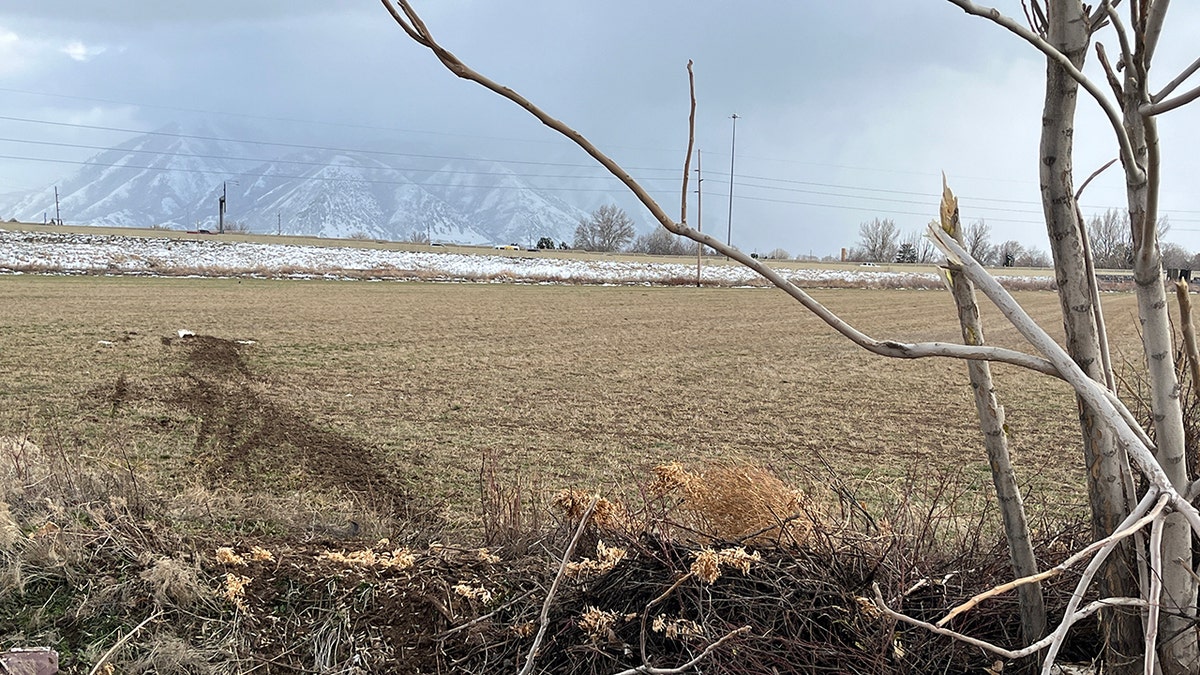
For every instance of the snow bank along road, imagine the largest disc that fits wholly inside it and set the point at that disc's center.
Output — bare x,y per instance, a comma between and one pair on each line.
58,253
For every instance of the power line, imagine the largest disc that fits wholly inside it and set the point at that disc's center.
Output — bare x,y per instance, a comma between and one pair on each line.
296,146
334,179
272,160
660,191
522,162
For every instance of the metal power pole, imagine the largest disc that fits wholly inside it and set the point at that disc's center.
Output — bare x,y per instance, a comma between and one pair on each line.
278,224
57,213
699,215
732,149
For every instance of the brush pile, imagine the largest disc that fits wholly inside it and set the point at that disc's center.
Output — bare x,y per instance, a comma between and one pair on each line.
728,548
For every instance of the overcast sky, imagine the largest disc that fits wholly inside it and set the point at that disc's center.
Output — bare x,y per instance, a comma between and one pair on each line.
848,110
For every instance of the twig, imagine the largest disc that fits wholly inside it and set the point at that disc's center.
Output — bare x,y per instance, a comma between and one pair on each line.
544,618
687,161
1155,597
446,633
648,670
1110,110
1189,331
646,613
1180,79
1083,613
104,659
1097,172
1058,569
1151,109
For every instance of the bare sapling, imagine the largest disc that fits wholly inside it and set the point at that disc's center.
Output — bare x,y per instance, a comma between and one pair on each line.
995,439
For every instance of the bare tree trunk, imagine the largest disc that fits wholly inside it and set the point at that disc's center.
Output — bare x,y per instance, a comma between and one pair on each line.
995,441
1178,652
1068,31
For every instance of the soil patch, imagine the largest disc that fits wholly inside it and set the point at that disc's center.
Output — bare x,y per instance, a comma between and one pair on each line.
245,435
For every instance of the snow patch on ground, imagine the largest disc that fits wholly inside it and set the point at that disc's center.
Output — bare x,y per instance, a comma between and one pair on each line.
42,252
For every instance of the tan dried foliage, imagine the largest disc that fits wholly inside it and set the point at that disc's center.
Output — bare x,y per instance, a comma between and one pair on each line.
48,529
868,609
486,556
235,589
607,515
597,624
260,554
473,592
736,500
708,563
398,559
227,556
676,628
607,557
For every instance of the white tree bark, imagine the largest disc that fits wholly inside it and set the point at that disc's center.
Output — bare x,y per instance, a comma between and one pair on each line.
995,439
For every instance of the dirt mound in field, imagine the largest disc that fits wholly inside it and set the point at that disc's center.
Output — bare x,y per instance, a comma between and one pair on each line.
245,434
216,355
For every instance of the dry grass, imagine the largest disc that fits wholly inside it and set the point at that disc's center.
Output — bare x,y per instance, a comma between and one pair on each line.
267,488
571,386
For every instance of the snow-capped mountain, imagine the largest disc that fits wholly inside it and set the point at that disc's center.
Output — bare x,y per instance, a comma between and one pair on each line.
176,179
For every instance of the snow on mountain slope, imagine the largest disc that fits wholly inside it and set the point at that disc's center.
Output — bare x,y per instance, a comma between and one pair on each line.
175,177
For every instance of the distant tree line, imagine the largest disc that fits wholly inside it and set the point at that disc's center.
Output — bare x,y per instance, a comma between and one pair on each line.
610,229
1109,235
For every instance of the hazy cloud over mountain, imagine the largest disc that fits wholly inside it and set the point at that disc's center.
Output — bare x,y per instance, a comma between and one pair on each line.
849,111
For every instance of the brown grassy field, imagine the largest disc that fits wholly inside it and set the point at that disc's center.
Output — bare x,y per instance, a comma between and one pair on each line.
406,388
306,421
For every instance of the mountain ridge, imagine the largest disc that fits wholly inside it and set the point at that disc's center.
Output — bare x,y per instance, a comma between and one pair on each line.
175,179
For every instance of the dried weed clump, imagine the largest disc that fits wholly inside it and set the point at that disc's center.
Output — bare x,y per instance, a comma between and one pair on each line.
708,563
175,583
398,559
676,628
738,501
235,589
608,515
607,557
597,624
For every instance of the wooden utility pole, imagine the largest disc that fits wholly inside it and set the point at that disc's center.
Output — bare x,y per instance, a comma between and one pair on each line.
699,216
732,150
221,209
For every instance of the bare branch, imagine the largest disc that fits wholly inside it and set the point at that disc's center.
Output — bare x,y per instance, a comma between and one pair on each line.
890,348
1180,79
687,160
1156,589
1189,331
648,670
1038,24
1053,642
1083,613
544,618
1122,36
1058,569
1110,110
1109,75
1097,172
1153,29
1088,389
1151,109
